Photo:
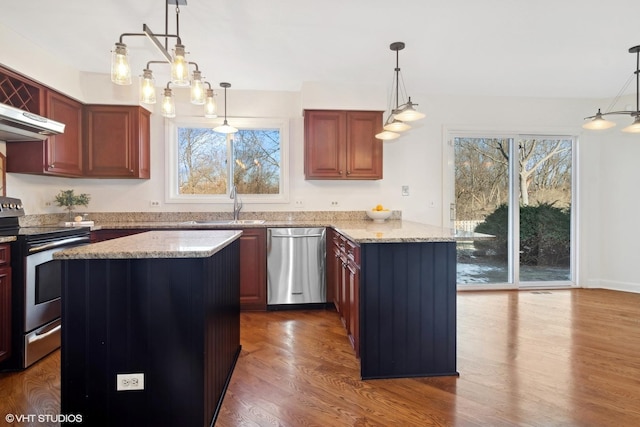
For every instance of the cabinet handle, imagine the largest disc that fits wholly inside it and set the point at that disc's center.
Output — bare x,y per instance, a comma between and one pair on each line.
348,172
341,172
52,166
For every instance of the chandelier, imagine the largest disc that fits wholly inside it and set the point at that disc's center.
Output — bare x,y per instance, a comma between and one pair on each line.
597,122
400,113
121,70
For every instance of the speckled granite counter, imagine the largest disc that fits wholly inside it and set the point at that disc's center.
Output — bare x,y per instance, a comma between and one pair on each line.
156,244
7,239
360,231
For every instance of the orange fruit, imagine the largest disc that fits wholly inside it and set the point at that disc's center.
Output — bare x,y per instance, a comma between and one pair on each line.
379,208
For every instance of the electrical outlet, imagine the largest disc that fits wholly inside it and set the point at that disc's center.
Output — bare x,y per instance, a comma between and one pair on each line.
334,204
125,382
154,203
47,204
405,190
299,203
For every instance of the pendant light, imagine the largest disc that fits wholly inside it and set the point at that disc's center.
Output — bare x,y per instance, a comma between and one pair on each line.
197,89
597,122
400,113
120,69
225,127
147,87
210,109
168,104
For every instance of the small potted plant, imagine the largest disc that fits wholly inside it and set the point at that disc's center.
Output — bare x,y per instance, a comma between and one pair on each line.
68,200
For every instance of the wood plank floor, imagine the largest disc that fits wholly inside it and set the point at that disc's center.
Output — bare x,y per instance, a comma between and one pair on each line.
543,358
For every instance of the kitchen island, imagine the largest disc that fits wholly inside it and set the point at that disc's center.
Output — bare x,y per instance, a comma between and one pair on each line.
161,304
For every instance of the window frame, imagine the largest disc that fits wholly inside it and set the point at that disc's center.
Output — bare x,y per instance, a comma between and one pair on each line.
171,161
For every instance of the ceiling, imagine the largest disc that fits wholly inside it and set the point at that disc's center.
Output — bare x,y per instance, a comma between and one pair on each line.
541,48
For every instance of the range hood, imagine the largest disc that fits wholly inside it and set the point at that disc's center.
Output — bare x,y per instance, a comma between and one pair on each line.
19,125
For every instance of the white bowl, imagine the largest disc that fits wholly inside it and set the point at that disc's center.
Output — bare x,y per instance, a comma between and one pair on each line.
379,216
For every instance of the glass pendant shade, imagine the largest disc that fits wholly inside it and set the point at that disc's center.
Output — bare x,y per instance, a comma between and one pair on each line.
407,113
386,135
396,126
120,69
179,67
210,106
147,87
197,89
168,104
225,128
598,123
634,127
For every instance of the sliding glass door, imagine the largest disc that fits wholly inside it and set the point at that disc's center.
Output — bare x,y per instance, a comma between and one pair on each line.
517,189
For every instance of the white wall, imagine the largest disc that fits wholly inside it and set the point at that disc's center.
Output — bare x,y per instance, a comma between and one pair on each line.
607,178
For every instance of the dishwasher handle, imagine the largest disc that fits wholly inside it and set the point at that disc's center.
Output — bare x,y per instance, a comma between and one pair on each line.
295,236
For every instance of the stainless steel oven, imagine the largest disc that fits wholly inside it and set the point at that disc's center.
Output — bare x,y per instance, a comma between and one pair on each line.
36,284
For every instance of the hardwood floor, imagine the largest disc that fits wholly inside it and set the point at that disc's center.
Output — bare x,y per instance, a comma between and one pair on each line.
543,358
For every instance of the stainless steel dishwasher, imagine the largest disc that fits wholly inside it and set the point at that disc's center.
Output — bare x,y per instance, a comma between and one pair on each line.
296,266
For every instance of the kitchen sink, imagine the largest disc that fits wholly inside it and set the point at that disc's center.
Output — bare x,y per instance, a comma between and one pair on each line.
225,222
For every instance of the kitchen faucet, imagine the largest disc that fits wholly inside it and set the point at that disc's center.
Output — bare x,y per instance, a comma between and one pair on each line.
237,203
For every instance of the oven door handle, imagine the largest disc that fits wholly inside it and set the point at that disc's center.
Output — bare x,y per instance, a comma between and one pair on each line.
42,335
58,243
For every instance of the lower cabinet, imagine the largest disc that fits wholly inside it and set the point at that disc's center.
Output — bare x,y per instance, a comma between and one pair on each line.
253,269
344,277
5,302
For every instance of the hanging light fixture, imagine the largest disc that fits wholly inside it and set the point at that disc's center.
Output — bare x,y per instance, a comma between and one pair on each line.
597,122
121,71
168,104
225,127
210,110
399,113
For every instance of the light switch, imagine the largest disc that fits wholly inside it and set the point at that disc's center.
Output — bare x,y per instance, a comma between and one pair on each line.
405,190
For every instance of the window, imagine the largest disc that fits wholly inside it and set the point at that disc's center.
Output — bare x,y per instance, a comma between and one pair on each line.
204,165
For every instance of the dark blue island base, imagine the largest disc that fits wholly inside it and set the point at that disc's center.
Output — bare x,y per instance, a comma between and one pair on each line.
176,320
408,309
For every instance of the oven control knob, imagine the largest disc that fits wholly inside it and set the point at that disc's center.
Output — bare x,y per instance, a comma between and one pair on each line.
12,206
19,206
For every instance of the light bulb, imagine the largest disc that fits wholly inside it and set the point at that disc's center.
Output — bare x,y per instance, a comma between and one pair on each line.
210,105
147,87
179,67
197,89
168,105
120,70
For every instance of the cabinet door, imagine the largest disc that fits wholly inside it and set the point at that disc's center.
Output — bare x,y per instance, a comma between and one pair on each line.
345,301
253,269
363,150
63,153
117,141
5,313
324,144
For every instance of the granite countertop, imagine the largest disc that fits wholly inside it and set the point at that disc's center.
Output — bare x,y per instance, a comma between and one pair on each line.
7,239
360,231
155,244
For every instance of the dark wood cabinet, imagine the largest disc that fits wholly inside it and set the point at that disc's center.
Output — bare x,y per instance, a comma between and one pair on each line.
333,268
59,155
253,269
345,278
341,144
5,302
117,141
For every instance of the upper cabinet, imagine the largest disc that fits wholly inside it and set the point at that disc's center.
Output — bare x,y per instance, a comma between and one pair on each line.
117,141
59,155
341,144
99,141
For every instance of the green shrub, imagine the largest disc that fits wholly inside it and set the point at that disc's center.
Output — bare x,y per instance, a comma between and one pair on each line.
545,234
